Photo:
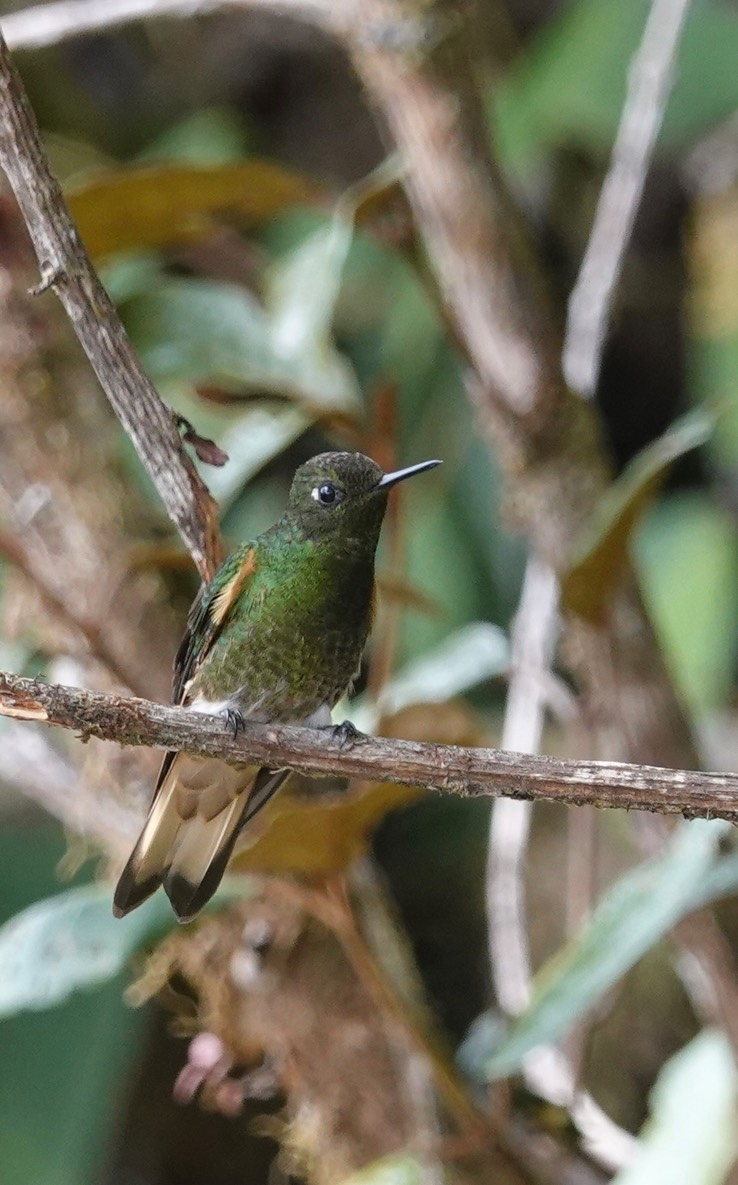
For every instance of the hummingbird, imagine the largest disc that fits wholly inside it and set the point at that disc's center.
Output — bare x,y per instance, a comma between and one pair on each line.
276,636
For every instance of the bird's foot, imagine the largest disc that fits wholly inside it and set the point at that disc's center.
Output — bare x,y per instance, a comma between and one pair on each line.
346,734
234,720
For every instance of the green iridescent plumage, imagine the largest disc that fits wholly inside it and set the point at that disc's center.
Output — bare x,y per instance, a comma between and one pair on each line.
276,635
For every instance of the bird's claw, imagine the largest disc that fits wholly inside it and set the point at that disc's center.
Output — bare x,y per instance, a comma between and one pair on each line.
234,720
346,734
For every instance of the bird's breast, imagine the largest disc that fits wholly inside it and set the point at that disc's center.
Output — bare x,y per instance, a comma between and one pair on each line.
293,650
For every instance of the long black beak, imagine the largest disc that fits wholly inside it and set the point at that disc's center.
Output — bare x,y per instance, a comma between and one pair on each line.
391,479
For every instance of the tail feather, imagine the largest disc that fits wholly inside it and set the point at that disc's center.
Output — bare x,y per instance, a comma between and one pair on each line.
206,845
200,862
185,851
143,872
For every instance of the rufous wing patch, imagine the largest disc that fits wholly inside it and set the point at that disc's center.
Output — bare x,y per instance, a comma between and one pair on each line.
230,592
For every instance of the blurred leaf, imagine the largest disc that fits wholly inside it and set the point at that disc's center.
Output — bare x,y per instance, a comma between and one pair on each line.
469,656
713,307
66,942
200,333
317,835
442,567
166,205
632,916
130,274
215,333
570,84
210,136
601,555
390,1170
62,1070
252,438
301,294
302,288
72,941
687,553
692,1135
62,1086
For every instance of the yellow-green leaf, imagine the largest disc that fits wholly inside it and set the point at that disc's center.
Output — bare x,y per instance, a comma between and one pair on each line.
169,204
601,554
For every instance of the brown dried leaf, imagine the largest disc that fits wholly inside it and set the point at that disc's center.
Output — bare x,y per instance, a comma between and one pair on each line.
207,450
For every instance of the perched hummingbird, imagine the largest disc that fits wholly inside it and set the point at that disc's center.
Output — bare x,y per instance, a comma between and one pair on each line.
277,635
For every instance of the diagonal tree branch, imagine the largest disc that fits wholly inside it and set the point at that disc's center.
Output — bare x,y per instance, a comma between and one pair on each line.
96,637
471,773
66,267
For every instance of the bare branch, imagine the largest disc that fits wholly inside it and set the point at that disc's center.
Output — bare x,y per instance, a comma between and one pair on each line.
468,772
533,637
93,632
47,24
66,267
643,112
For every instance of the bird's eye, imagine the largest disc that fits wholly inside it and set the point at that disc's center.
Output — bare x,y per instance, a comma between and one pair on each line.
327,494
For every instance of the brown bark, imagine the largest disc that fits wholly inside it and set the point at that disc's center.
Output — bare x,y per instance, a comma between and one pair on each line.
445,768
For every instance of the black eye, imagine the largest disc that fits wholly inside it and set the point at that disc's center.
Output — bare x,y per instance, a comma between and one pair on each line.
327,494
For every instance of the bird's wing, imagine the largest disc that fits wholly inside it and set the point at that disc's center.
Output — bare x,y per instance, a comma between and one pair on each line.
207,616
210,611
199,804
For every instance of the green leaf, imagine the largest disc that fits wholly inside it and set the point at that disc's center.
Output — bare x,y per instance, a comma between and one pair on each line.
194,332
633,915
72,941
67,942
301,294
601,554
390,1170
217,334
691,1137
201,333
687,554
210,136
61,1069
303,287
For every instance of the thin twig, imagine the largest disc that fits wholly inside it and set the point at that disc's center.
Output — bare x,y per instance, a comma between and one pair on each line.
548,1071
92,631
66,267
48,24
533,638
589,310
649,87
448,768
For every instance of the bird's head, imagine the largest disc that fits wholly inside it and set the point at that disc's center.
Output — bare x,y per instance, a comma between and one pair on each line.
343,496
